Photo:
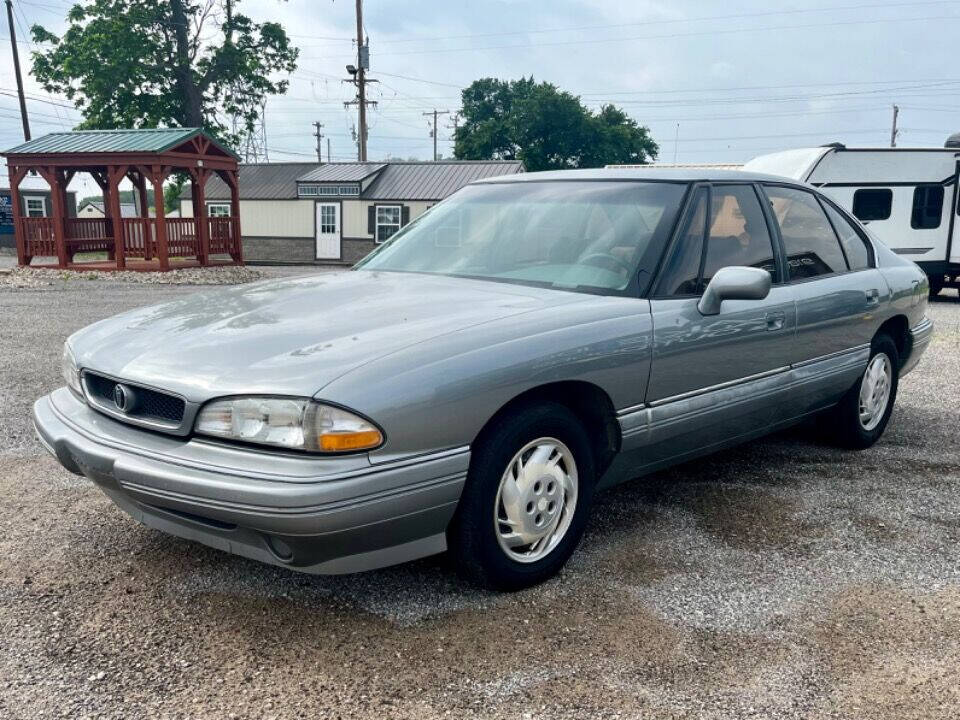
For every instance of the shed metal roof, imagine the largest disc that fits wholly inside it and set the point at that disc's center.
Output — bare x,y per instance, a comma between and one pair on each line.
342,172
395,181
147,140
433,180
262,181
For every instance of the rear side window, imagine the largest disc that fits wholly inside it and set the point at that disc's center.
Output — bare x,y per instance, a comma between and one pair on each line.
812,247
854,247
872,204
927,207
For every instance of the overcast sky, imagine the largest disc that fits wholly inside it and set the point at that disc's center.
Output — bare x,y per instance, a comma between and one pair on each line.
741,78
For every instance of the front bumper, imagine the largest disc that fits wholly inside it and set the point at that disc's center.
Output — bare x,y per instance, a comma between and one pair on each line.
920,336
314,514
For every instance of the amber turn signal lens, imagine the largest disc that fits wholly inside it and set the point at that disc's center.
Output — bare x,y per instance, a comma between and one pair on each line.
342,442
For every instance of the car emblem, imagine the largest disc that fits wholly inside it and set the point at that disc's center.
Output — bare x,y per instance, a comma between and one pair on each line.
121,397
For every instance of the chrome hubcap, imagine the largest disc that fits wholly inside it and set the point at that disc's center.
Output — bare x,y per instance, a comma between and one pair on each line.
536,500
875,391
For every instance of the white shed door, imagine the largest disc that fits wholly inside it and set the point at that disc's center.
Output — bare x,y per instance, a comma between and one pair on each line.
328,231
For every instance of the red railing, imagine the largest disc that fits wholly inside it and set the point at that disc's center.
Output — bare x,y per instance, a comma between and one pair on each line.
224,236
182,237
138,238
38,236
88,235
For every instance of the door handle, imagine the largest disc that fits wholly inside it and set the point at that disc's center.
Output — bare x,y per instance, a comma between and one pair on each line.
775,320
873,296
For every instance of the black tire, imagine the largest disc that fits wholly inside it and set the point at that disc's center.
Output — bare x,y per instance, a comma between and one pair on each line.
843,426
472,536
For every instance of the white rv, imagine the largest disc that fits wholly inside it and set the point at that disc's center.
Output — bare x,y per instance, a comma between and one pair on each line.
906,196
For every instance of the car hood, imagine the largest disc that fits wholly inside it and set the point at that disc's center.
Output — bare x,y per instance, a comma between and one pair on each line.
293,336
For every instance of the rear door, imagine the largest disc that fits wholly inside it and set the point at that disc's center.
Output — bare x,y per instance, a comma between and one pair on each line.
838,292
716,378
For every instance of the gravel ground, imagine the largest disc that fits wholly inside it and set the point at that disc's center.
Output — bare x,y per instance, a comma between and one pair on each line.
781,579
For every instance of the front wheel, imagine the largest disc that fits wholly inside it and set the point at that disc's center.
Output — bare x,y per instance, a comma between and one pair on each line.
527,499
862,415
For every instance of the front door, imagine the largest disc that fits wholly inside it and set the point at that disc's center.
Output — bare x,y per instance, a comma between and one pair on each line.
717,378
328,231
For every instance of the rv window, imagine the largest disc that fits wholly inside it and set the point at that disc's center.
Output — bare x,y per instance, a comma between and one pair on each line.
872,204
808,239
927,207
853,245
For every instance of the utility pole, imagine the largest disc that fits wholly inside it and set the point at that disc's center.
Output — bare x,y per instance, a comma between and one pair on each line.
893,130
433,133
16,70
358,77
328,149
319,136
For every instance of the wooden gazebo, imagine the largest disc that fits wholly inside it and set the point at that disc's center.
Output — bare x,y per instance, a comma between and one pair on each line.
134,243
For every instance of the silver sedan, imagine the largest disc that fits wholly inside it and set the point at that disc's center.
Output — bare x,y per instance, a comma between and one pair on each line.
473,382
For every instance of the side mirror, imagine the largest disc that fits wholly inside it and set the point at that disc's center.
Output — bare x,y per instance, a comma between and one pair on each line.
734,283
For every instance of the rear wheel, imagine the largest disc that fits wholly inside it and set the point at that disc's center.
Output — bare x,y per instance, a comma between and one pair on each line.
527,499
862,415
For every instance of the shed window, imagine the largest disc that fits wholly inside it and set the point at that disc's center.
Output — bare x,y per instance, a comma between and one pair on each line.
872,204
216,210
349,190
927,207
36,207
308,190
388,222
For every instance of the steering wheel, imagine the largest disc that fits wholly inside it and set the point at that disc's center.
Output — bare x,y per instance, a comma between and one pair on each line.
606,261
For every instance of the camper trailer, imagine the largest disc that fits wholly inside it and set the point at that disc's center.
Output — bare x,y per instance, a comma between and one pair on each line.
907,197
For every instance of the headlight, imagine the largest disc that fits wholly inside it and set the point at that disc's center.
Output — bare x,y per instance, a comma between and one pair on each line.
295,423
68,367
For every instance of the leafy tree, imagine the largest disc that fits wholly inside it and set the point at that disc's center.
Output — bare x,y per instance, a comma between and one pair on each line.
152,63
546,128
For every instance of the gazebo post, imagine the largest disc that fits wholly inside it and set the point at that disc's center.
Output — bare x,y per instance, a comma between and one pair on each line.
19,231
63,180
199,176
52,176
143,209
237,239
158,174
101,178
115,174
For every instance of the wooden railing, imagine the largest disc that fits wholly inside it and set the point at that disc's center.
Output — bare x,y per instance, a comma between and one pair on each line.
38,236
182,237
138,237
224,238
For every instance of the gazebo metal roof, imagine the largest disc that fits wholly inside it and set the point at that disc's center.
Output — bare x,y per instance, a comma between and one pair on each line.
147,140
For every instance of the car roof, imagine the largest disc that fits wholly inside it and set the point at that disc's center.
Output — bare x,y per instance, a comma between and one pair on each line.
648,173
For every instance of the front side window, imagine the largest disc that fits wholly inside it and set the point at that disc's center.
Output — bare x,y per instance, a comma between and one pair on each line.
36,207
812,247
599,236
216,210
681,276
854,246
872,204
738,232
736,235
388,221
927,207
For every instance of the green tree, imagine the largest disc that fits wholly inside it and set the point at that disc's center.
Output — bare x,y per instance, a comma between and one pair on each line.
546,128
154,63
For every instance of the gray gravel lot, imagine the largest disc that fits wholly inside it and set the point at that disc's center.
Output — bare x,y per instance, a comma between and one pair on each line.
781,579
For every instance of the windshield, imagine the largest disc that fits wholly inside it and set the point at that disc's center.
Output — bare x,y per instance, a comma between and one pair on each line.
592,236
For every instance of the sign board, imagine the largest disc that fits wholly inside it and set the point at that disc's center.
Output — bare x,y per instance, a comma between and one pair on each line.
6,213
